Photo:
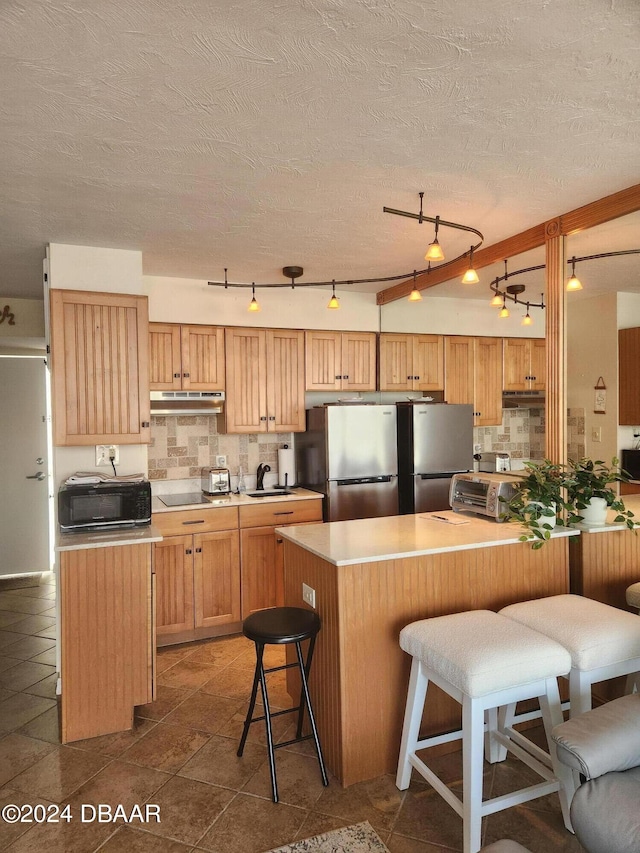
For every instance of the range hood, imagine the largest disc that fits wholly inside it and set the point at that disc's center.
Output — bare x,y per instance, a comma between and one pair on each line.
187,402
522,399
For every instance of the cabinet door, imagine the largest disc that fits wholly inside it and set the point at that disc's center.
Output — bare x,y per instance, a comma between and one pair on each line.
538,370
285,380
165,366
396,362
173,567
358,361
216,578
629,376
246,404
323,370
262,577
488,381
99,368
516,364
459,370
428,362
203,358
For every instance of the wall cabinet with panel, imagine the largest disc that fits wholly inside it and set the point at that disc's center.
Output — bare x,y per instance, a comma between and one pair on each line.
107,643
473,374
99,368
524,364
340,361
629,376
197,574
265,380
411,362
262,552
186,357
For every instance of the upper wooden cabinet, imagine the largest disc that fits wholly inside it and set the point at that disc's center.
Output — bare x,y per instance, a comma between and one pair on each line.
629,376
411,362
99,368
340,361
473,374
265,378
186,357
524,364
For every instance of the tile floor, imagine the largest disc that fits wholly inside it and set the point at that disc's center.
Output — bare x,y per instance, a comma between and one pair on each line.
181,756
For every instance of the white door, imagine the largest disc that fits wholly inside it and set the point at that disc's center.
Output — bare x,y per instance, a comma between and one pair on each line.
24,467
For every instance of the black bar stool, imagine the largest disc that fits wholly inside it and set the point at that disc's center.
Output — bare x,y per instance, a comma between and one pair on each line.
282,626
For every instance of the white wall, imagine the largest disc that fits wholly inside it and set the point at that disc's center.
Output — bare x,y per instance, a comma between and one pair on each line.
26,335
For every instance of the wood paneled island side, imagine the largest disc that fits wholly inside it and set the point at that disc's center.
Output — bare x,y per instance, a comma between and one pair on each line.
373,576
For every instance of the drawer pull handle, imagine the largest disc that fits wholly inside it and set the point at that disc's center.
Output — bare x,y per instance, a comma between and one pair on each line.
288,512
279,541
199,521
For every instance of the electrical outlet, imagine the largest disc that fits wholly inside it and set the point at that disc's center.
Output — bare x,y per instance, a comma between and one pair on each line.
309,595
596,433
221,461
104,453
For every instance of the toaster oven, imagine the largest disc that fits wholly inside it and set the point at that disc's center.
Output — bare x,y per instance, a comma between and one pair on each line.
484,494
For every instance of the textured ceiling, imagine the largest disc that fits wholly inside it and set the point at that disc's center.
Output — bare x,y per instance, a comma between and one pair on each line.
252,135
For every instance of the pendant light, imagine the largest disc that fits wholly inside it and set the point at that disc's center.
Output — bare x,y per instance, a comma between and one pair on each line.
527,320
415,295
505,311
333,302
253,305
434,252
497,300
471,276
574,282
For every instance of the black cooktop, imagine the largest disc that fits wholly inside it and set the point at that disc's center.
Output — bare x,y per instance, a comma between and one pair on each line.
184,499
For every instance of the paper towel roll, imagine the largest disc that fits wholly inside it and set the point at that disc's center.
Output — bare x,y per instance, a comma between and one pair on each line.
286,466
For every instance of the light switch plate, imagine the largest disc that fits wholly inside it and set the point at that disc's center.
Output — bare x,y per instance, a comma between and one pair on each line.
596,433
309,595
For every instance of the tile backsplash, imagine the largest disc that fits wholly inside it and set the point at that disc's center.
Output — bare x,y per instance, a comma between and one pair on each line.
182,445
521,434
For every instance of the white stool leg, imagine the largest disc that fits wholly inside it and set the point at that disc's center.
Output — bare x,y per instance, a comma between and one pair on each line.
579,692
472,756
551,709
416,696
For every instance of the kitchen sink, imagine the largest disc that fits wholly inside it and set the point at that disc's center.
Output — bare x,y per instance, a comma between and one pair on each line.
269,494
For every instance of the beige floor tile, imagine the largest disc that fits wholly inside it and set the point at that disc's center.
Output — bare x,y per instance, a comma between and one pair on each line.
168,698
20,708
24,675
5,694
203,712
401,844
59,774
424,815
188,808
252,825
377,801
281,726
540,831
71,837
48,656
47,633
233,682
166,747
9,832
17,753
121,783
317,824
46,687
186,673
7,638
7,662
26,648
220,652
179,651
218,763
129,840
33,624
118,742
44,727
298,777
9,617
23,604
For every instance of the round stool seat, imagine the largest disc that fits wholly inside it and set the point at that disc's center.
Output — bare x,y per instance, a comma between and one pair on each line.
594,634
281,625
633,595
481,652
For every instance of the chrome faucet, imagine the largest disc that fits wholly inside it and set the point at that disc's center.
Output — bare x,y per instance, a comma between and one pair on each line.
262,470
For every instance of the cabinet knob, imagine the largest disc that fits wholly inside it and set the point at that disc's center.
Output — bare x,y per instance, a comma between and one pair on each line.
271,418
188,551
198,550
145,424
338,377
176,376
186,375
263,418
409,377
278,541
345,376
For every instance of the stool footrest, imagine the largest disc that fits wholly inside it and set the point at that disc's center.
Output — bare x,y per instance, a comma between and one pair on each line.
294,740
276,714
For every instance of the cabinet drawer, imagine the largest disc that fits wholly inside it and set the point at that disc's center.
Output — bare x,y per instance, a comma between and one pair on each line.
285,512
196,520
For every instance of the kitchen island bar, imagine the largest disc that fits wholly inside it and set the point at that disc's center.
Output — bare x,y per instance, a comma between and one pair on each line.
373,576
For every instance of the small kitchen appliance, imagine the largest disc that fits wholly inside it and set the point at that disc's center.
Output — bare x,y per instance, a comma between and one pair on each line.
482,493
492,463
216,481
95,506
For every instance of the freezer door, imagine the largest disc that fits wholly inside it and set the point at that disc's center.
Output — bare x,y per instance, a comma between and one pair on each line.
431,494
347,499
361,441
442,438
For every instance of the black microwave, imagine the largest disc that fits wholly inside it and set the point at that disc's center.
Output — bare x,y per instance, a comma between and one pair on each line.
105,506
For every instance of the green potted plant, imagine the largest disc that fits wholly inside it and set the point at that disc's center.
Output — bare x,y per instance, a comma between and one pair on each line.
538,501
590,494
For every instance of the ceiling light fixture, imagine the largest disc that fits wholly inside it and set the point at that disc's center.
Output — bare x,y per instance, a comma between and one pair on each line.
504,312
253,305
333,302
471,276
574,282
527,320
415,295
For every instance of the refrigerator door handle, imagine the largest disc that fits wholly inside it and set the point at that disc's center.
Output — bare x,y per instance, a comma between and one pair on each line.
362,481
441,474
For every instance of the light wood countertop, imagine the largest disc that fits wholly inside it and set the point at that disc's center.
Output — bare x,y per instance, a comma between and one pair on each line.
107,538
233,500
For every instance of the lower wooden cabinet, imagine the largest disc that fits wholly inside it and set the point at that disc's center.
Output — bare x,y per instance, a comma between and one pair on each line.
107,645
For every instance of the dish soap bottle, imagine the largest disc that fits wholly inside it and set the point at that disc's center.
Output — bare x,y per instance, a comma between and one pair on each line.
241,484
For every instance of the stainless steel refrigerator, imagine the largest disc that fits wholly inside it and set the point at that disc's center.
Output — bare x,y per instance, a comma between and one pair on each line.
435,441
349,452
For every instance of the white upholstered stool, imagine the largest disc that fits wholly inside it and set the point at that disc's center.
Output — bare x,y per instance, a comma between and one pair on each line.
633,595
483,661
603,641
